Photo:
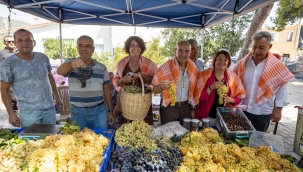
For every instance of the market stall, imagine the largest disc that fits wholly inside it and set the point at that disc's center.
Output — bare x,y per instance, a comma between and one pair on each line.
231,145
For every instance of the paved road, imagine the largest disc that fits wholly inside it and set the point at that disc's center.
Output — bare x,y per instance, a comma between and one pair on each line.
287,125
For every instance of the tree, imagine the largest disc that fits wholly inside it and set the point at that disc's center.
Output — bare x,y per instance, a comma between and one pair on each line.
173,36
228,35
256,24
288,12
109,60
155,52
52,49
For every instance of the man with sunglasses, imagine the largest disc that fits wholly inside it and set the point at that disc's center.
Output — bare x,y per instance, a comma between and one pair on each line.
9,49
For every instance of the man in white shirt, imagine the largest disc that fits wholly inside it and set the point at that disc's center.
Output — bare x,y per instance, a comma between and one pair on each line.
194,54
265,80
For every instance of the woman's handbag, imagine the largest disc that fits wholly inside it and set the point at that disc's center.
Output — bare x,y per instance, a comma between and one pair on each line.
135,106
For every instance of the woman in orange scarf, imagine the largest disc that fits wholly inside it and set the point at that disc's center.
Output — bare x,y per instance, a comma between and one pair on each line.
212,80
130,66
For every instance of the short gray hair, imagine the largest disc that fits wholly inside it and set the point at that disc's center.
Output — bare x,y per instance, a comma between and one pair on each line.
192,41
7,36
263,34
85,36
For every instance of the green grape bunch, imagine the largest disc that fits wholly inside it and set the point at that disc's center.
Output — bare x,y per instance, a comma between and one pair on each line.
132,89
136,134
221,92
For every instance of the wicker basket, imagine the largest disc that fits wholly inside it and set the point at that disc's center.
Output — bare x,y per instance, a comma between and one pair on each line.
135,106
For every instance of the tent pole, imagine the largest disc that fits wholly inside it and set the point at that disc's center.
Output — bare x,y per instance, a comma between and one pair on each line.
202,42
60,30
134,30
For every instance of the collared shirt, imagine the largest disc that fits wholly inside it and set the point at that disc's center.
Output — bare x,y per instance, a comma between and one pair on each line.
93,93
199,64
183,86
6,53
251,79
29,80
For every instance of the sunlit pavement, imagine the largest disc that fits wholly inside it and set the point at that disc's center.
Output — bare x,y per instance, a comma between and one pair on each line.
287,125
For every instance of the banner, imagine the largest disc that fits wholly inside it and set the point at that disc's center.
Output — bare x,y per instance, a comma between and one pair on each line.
300,44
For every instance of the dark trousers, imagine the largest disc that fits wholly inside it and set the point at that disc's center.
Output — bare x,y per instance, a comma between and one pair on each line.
260,122
175,113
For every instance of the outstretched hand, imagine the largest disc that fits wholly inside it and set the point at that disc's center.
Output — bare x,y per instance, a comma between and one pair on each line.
78,63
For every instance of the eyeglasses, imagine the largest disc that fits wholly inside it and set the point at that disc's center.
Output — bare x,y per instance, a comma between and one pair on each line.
9,42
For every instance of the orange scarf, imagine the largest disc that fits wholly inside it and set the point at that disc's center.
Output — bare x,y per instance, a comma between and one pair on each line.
170,71
234,83
147,67
274,75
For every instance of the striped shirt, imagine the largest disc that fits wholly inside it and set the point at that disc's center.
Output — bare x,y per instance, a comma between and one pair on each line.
93,93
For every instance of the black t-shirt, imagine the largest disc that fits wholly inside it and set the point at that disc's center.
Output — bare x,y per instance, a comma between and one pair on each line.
213,110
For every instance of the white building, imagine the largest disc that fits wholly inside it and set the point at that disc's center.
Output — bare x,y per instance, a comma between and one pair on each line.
102,35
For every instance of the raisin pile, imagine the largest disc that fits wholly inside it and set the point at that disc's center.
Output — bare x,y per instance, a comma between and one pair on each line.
235,122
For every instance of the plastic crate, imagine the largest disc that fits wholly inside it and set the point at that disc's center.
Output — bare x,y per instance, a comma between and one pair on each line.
17,130
108,133
223,128
275,142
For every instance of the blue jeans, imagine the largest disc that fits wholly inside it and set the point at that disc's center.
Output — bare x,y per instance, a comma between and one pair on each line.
93,118
44,116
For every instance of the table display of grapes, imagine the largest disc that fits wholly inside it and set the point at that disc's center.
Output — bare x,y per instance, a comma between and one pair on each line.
197,151
137,150
235,122
79,151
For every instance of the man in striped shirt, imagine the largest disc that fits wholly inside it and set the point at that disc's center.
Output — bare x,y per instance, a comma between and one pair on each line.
88,107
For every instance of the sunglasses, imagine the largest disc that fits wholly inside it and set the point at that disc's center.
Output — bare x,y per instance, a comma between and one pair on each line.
9,42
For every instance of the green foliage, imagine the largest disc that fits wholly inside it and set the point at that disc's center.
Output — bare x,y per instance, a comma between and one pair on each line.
109,60
155,52
173,36
52,49
228,35
288,12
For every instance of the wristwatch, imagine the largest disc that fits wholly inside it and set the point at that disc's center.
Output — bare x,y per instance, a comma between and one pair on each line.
110,111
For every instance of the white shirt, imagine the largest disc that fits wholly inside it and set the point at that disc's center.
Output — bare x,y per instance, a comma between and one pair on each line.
183,86
251,79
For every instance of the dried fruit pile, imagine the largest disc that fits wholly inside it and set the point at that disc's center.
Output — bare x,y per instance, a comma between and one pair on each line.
235,122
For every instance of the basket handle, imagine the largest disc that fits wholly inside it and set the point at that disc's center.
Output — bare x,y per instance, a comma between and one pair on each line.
142,83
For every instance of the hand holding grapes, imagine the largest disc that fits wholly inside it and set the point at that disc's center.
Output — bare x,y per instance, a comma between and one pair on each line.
78,63
127,78
164,85
216,85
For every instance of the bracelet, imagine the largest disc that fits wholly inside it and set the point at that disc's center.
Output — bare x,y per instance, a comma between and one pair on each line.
110,111
210,88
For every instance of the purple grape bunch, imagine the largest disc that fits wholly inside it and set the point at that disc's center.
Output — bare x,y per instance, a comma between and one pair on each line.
129,159
84,74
